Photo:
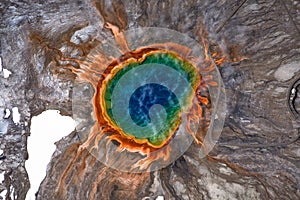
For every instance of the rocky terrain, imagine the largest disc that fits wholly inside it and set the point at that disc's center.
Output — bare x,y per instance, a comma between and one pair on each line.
258,153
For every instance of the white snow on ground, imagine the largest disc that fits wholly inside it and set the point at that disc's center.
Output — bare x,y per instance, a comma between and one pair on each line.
7,113
160,198
46,129
16,116
1,177
3,194
1,64
6,73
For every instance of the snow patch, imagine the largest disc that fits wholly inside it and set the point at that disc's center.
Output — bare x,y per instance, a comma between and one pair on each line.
12,193
46,129
16,116
1,67
6,73
3,194
160,198
7,113
3,127
1,177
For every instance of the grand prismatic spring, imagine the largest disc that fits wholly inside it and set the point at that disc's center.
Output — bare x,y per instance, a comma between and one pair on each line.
151,98
141,98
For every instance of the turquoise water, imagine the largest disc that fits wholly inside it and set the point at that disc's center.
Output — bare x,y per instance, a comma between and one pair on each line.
145,99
